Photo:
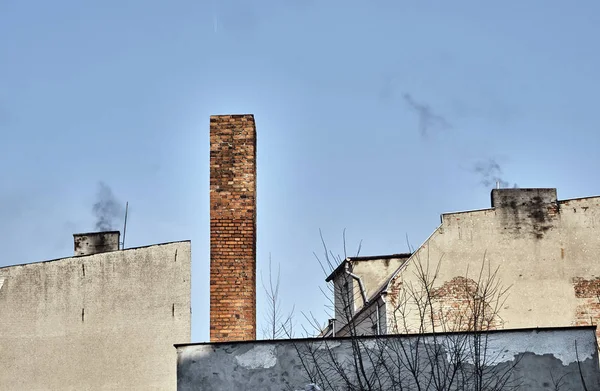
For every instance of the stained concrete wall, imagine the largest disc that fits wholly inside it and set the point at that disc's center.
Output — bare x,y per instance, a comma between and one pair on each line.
529,358
106,321
546,251
374,272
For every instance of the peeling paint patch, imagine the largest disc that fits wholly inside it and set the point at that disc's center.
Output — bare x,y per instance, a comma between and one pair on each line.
505,349
1,282
370,344
456,299
258,357
394,291
329,345
588,293
585,288
311,387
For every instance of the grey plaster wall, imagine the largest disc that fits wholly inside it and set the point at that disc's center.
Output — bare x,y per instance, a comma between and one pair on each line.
344,301
370,320
100,322
530,359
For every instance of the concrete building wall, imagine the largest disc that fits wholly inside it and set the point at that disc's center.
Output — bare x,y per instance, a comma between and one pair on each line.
99,322
370,320
546,250
531,358
374,273
232,228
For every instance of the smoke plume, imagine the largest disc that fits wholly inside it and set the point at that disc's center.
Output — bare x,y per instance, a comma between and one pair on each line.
107,209
491,174
428,120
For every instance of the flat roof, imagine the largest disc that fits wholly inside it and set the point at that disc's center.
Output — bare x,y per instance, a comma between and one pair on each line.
97,233
499,331
90,255
492,208
366,258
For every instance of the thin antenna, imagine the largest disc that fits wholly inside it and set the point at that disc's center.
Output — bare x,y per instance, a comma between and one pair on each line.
125,225
497,187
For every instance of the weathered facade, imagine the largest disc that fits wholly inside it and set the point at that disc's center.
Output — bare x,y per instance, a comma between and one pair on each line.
544,249
101,321
534,360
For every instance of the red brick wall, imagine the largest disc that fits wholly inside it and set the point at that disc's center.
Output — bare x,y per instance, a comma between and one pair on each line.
587,312
232,228
459,306
454,306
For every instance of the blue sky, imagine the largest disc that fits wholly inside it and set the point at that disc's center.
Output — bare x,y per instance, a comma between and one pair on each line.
372,116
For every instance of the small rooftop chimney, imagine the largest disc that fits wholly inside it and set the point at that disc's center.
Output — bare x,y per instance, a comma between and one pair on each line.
96,242
513,198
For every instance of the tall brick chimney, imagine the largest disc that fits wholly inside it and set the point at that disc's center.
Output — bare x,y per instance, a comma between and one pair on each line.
232,228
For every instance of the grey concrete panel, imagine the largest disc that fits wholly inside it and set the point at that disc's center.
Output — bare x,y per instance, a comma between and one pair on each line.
530,359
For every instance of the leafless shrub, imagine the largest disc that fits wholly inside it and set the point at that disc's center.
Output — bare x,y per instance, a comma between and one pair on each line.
277,324
445,348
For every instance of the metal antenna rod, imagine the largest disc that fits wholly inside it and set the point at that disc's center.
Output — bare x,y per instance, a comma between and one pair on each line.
125,225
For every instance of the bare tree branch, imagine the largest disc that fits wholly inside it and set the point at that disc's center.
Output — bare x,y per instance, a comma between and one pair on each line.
277,324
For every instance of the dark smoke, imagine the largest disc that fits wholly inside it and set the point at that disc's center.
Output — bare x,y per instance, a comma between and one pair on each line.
427,118
386,92
491,174
108,209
